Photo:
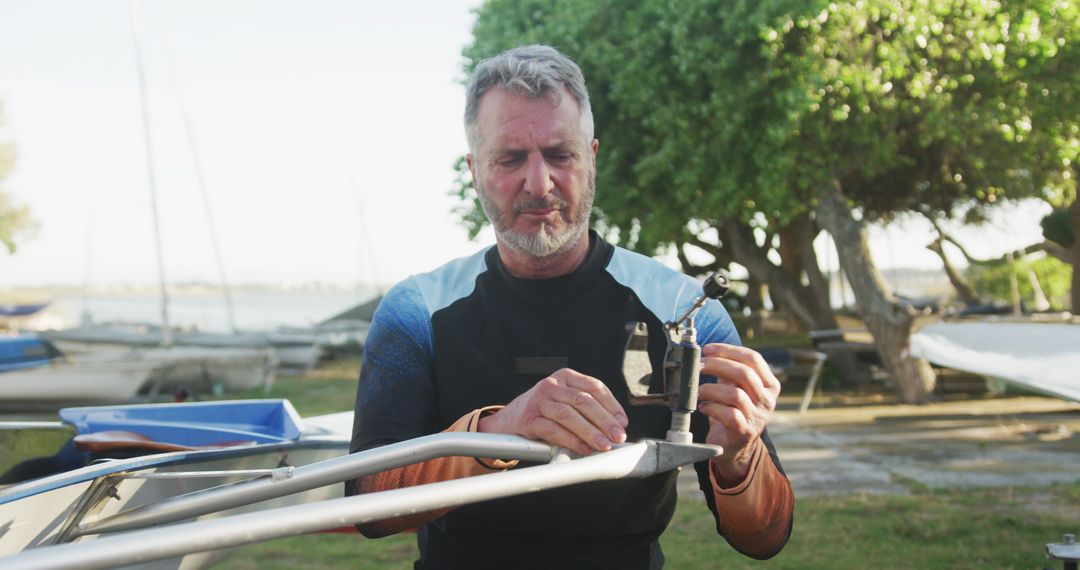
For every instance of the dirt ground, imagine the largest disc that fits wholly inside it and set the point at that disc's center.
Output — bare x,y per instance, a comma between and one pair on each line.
865,444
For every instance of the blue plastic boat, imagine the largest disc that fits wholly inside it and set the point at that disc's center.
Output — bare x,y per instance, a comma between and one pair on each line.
25,351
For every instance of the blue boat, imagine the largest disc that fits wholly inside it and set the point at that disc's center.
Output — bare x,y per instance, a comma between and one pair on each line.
21,310
34,374
25,351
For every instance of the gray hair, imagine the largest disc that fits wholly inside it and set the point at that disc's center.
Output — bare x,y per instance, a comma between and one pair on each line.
533,71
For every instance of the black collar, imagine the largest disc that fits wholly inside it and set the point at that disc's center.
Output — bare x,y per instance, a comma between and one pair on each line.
596,260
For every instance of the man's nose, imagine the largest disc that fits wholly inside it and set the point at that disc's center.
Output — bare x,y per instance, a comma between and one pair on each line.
538,179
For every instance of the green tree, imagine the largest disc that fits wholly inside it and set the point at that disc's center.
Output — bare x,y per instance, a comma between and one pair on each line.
748,125
15,220
995,281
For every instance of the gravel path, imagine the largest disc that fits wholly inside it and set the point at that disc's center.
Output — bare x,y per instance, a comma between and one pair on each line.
877,448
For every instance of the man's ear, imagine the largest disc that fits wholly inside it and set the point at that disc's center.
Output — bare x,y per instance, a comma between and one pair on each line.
469,160
595,146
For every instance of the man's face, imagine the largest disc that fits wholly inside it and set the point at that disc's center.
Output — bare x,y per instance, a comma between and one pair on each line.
534,170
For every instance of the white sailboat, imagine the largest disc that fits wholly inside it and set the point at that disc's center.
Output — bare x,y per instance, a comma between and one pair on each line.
92,378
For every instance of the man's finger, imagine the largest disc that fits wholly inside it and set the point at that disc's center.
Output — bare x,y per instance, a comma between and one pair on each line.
727,395
746,356
555,434
590,408
734,372
733,420
569,418
597,389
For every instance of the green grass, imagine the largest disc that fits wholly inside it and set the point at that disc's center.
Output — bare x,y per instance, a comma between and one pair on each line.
989,528
326,551
21,444
325,390
993,528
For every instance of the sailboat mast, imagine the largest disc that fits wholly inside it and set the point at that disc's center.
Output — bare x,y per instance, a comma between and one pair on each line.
166,330
201,179
363,235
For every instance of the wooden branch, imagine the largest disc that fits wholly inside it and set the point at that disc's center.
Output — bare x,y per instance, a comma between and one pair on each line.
967,294
1050,248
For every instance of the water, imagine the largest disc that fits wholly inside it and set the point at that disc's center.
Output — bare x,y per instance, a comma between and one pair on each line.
206,311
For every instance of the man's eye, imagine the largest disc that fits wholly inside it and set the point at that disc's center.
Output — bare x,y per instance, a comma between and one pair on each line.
560,157
509,161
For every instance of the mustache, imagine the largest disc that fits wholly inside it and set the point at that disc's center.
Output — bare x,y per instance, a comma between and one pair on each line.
552,202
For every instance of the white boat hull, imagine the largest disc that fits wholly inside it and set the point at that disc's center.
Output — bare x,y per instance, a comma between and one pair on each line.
76,380
1040,356
290,350
210,370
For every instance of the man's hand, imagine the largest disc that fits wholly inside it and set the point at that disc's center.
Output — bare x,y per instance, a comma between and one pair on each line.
567,409
739,405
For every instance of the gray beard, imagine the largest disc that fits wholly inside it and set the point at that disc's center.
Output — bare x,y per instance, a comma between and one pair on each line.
546,242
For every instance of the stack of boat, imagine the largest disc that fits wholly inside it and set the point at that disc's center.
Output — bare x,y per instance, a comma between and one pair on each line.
34,372
291,350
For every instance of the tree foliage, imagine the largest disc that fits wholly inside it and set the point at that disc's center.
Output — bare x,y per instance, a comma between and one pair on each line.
15,220
993,281
715,115
713,110
1056,228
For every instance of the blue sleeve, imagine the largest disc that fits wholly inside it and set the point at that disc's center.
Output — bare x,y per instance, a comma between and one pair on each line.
715,325
395,399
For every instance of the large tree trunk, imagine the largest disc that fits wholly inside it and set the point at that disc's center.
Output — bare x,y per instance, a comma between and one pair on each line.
809,304
887,320
799,236
797,241
783,288
755,301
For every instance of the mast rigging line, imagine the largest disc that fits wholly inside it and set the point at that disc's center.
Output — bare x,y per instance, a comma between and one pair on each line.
166,329
200,179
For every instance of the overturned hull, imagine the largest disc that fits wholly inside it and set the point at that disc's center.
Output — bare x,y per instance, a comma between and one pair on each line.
84,379
1041,356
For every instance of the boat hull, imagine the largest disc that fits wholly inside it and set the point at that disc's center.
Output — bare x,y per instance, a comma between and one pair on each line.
1040,356
42,513
75,380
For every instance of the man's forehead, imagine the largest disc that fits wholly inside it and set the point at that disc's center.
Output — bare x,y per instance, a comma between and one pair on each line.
505,118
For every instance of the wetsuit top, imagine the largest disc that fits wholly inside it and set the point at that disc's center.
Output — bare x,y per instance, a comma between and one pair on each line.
470,335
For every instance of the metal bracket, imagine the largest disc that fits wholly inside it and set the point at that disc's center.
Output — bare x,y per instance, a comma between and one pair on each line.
1067,550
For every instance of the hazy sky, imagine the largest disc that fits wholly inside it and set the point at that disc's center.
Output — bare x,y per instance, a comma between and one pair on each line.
326,129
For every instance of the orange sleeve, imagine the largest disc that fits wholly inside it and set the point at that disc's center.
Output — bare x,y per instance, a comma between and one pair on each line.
441,469
755,515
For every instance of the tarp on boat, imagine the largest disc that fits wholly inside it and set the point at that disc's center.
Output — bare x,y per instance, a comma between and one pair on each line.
1043,356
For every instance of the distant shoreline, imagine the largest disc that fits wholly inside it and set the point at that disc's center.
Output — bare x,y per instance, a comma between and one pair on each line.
42,293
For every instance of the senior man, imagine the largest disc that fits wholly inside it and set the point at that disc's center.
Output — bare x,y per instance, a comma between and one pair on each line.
527,338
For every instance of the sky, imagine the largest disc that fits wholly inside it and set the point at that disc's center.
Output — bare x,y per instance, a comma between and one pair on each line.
325,133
